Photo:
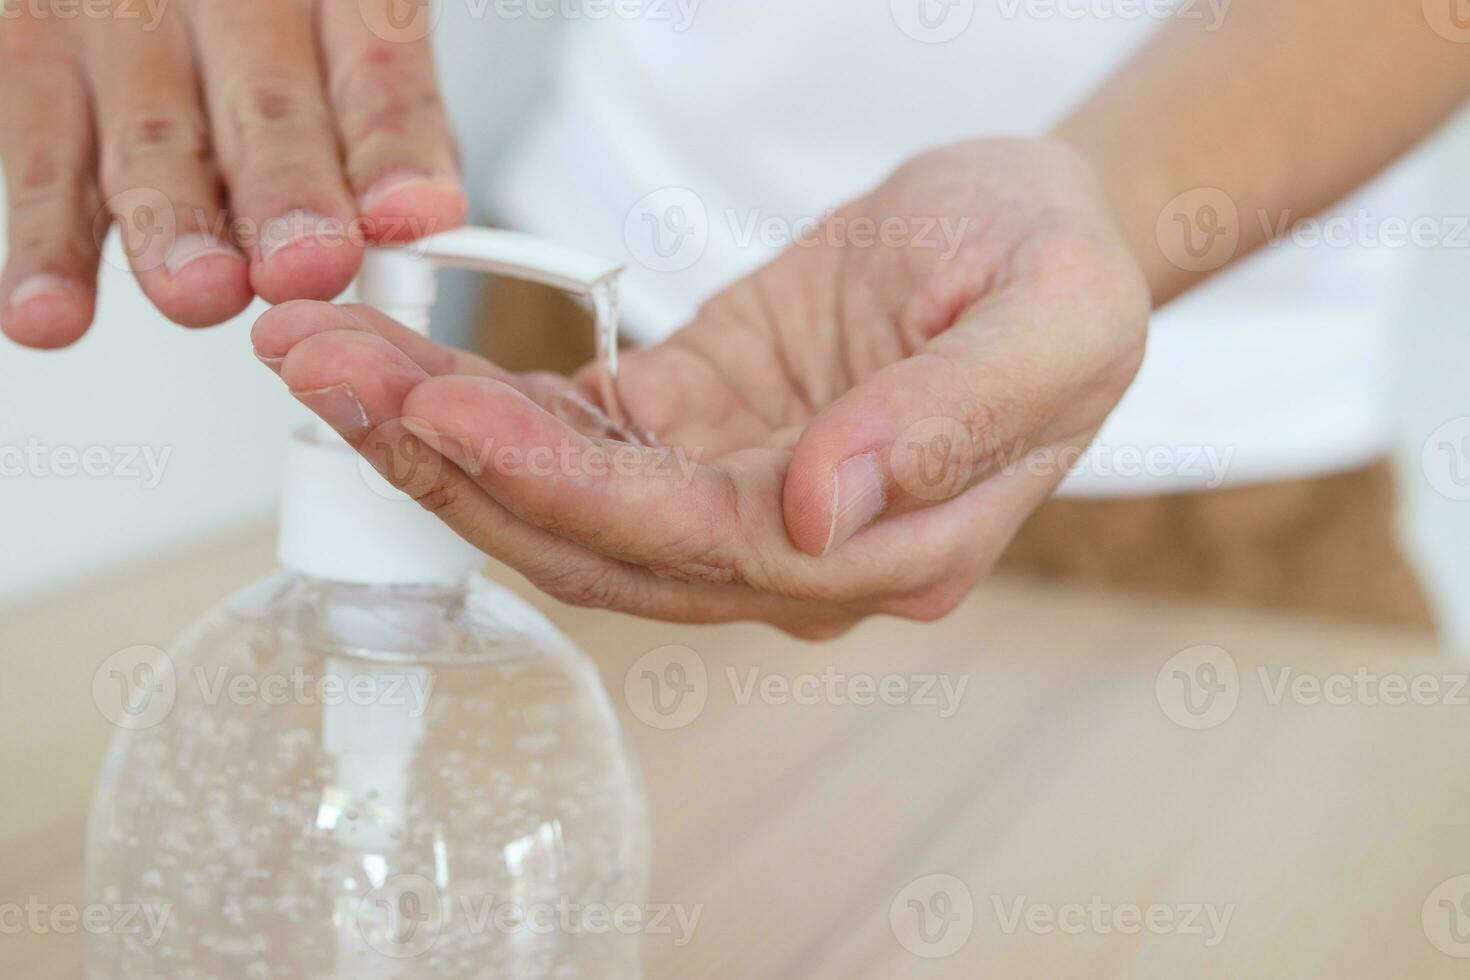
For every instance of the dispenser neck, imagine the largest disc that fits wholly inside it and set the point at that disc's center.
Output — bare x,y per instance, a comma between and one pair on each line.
342,522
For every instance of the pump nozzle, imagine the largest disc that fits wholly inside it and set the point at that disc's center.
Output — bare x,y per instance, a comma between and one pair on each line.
400,281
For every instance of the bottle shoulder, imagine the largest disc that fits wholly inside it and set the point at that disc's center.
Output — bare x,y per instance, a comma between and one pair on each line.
474,621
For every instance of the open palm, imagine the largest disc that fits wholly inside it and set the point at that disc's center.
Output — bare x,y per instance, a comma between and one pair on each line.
872,414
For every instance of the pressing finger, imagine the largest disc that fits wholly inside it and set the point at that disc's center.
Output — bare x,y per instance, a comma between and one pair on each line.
400,155
277,146
156,175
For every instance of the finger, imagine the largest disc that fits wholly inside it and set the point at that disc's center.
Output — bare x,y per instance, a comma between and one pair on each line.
48,290
401,160
276,142
1016,373
287,325
323,345
657,507
282,327
155,171
358,383
625,501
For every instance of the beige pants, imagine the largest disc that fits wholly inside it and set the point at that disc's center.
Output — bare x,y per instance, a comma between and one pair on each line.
1319,546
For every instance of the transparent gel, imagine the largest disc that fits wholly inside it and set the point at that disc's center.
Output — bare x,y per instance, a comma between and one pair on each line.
368,783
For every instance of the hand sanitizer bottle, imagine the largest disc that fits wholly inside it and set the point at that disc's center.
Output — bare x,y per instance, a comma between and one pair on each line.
375,763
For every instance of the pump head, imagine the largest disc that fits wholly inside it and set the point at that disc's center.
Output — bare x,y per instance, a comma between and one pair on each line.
340,520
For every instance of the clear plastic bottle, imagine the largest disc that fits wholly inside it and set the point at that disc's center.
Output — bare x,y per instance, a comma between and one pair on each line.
375,765
367,783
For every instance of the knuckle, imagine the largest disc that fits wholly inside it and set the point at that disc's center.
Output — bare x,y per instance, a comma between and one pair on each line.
26,39
156,135
442,498
990,417
378,94
992,420
267,106
44,177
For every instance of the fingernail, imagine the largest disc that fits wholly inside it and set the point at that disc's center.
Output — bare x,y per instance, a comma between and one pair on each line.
43,285
858,497
339,407
274,363
190,248
399,179
296,228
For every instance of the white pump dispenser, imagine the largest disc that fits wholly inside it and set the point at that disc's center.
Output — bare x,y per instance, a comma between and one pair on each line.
369,745
340,520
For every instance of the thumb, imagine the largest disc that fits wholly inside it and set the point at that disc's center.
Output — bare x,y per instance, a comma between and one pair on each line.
918,433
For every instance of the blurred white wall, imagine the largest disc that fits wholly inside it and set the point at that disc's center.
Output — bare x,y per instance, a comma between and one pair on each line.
142,437
201,403
1435,450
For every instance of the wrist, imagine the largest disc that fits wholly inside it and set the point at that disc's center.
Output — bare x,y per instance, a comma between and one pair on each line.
1135,196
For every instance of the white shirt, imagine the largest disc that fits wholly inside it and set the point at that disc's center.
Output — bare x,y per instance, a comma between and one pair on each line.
688,151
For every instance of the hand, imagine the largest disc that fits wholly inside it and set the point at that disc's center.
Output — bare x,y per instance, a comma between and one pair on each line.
245,147
871,422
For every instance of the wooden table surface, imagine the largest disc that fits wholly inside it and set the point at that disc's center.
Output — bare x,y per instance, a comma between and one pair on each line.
1106,787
